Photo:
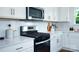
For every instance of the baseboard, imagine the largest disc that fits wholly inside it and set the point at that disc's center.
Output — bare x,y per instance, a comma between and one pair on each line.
74,50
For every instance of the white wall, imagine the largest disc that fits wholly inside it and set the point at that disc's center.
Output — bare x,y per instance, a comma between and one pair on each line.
40,26
4,26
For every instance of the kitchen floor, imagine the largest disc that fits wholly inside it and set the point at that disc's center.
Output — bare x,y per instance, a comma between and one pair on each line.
63,50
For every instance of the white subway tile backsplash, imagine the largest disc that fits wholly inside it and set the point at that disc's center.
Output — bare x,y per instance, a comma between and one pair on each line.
15,25
40,26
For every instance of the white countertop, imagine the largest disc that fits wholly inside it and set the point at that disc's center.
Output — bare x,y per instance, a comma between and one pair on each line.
20,39
9,42
55,32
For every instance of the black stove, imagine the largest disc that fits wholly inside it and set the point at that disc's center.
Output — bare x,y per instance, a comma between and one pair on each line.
41,41
39,36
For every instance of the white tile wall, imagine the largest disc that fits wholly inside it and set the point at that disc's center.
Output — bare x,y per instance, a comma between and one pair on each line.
40,26
3,27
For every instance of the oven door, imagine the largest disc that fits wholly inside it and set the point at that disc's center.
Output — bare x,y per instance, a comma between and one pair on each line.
43,46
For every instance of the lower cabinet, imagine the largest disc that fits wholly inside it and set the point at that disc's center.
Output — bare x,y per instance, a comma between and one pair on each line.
66,40
31,49
24,46
59,42
72,41
56,43
53,44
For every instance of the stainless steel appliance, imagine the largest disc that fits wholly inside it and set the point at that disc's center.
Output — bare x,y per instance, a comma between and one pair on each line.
34,13
41,41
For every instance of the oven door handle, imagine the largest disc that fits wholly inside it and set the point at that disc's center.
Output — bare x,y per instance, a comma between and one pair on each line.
42,42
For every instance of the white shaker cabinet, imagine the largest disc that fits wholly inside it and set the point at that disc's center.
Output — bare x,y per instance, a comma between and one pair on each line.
72,15
66,40
13,12
22,46
16,48
53,43
5,12
50,14
19,13
59,42
31,49
72,41
63,13
56,42
56,14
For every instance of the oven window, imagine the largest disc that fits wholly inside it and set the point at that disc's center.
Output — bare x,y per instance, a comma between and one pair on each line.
44,47
30,27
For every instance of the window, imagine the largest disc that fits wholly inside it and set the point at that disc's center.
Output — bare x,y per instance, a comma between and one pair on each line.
77,15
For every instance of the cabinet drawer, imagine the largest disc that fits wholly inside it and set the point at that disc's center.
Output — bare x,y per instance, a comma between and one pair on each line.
31,49
18,47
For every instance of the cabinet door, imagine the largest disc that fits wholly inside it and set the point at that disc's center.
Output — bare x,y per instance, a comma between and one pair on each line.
74,41
63,13
51,13
59,42
47,13
5,12
19,12
53,44
31,49
71,41
18,47
56,42
13,12
72,15
66,41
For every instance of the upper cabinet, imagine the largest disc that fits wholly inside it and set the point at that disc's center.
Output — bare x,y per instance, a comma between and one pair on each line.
56,14
13,12
19,13
63,13
50,14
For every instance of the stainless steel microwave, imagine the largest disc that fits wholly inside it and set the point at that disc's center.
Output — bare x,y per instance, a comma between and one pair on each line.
34,13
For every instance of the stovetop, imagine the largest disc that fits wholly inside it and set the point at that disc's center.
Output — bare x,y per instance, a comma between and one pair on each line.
39,36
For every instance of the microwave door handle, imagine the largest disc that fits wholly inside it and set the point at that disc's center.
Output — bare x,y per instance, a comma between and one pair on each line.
28,13
43,14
